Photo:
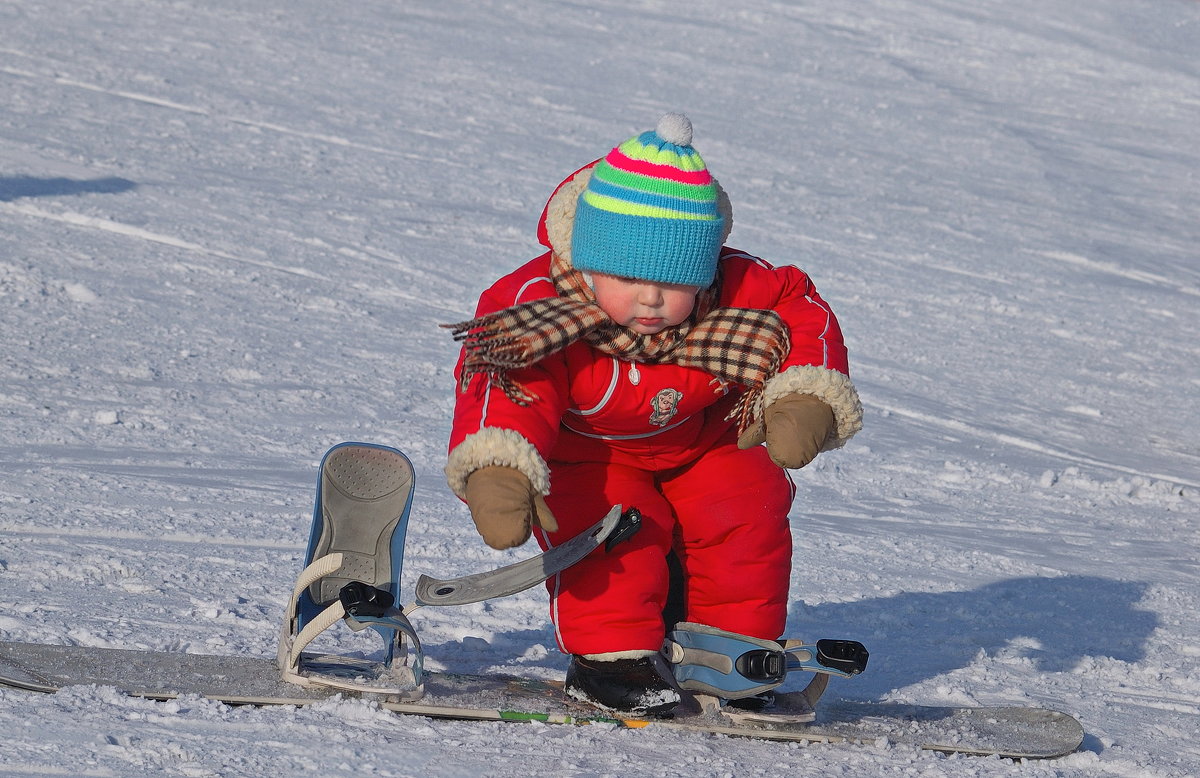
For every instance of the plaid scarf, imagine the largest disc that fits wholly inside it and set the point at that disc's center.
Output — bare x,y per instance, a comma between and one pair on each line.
742,346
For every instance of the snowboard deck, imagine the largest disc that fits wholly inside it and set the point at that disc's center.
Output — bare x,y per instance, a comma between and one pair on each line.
1014,732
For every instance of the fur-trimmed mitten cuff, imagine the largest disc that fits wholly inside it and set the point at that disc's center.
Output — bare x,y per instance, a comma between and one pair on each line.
502,478
820,384
495,446
830,387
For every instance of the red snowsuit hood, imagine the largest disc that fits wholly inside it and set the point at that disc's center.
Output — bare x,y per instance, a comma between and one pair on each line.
543,233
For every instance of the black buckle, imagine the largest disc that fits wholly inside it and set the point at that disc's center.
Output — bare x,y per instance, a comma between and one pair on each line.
762,666
847,656
359,599
627,526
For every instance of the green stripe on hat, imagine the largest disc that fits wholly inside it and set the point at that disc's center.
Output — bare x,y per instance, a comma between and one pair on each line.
699,192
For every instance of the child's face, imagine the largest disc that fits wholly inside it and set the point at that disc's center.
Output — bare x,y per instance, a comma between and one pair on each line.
646,307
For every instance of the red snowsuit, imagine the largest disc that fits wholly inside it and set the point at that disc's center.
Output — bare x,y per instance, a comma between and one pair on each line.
655,437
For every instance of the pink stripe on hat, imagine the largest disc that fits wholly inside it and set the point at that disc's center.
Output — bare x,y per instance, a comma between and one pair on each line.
622,162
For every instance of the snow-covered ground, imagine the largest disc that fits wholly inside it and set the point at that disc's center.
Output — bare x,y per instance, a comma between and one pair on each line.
229,230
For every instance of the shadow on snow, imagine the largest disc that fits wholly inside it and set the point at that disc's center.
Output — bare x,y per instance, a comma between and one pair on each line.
18,187
1053,623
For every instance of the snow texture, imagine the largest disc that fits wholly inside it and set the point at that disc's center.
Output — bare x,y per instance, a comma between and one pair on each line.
230,230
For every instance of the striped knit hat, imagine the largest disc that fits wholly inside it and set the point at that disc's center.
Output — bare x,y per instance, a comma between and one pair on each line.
650,211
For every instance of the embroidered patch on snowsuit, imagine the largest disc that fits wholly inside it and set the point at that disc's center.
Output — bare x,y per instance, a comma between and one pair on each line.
664,406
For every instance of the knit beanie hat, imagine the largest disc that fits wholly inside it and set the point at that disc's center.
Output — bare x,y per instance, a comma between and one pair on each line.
650,211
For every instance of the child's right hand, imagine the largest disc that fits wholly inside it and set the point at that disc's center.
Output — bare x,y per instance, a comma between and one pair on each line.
505,506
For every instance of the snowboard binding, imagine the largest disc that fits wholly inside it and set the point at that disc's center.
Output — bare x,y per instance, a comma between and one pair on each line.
352,573
719,666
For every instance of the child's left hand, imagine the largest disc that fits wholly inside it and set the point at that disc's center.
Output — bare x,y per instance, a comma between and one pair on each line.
794,428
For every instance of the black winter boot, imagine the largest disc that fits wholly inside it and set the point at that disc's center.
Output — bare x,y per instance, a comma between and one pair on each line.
758,703
638,686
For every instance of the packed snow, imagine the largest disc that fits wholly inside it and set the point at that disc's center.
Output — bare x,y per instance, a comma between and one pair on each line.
229,231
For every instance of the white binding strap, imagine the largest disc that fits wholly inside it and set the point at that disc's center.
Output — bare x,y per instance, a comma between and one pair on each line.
324,620
326,565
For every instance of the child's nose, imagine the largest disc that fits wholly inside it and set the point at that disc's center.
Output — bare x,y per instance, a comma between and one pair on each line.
648,294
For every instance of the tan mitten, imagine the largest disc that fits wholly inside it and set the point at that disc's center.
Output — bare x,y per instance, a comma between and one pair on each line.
794,428
505,506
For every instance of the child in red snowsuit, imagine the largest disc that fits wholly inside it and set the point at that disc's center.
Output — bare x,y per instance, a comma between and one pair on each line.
640,361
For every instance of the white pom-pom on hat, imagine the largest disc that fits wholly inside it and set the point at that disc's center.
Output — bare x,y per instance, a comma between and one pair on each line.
675,128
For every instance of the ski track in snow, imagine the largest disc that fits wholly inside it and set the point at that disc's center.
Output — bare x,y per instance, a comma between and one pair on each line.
228,233
149,100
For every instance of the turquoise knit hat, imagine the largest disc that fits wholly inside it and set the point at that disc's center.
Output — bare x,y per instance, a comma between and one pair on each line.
650,211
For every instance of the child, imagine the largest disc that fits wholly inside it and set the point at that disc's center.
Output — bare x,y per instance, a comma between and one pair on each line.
639,361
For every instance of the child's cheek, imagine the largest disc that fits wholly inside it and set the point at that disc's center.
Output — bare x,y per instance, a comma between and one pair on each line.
618,306
681,307
615,311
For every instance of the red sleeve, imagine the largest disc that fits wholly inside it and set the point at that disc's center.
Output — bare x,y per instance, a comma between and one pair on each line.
816,336
483,405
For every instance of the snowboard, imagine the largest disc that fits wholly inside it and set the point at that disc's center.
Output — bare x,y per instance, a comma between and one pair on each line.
1014,732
